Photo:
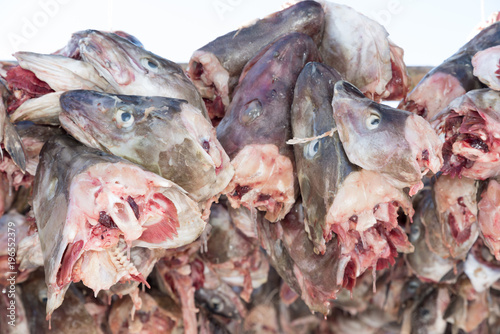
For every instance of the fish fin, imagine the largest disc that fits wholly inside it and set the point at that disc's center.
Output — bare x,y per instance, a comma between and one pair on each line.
14,146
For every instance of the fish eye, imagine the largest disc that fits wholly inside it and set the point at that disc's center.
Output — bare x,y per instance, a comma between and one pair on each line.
51,191
217,304
311,149
252,111
124,119
42,295
373,121
150,63
414,232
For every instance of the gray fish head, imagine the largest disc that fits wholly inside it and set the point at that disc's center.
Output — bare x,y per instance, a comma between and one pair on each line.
217,302
102,120
377,137
359,118
119,60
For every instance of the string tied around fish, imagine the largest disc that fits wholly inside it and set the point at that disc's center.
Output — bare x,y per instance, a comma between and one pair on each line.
296,140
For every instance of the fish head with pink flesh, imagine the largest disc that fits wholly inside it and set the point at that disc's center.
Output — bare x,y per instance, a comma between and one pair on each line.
91,208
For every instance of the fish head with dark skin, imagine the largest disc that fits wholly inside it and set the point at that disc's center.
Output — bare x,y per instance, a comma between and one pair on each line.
131,69
158,133
255,129
425,263
216,67
396,143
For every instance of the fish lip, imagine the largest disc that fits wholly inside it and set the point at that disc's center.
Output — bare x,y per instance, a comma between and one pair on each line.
72,126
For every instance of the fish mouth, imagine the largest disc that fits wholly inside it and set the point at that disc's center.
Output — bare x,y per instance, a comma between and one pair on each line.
432,95
425,146
467,144
70,123
211,79
110,59
266,183
118,213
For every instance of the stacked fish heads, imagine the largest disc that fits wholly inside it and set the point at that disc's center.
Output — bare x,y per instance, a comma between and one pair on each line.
331,212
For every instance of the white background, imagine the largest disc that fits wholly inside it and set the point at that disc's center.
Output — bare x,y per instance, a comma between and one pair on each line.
428,30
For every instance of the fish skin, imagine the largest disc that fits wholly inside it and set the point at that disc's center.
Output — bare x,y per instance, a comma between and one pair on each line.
69,245
427,315
365,127
359,48
166,136
72,48
316,278
72,317
133,70
8,134
322,164
222,60
235,258
426,264
258,123
453,78
339,197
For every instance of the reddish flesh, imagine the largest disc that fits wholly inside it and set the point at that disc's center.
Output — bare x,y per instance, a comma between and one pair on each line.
460,235
70,257
395,86
19,79
215,109
167,227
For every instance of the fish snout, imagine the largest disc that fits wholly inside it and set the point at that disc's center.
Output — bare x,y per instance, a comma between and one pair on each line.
344,89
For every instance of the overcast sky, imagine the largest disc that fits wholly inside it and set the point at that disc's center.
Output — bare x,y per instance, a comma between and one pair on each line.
428,30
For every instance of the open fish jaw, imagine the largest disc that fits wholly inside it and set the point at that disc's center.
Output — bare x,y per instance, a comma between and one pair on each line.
470,128
263,179
215,68
380,203
123,211
432,95
211,79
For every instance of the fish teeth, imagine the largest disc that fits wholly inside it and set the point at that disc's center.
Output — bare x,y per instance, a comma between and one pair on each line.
123,263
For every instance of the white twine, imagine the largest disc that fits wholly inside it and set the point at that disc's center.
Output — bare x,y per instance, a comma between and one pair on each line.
296,140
